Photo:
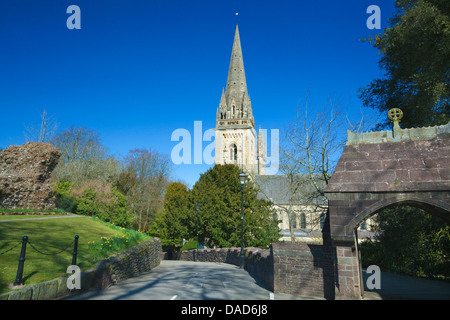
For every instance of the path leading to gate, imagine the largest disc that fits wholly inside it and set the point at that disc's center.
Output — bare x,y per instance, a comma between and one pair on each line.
184,280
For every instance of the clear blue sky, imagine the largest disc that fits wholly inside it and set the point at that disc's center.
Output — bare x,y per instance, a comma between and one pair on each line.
140,69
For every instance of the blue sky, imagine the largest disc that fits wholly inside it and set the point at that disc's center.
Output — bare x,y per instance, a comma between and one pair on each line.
138,70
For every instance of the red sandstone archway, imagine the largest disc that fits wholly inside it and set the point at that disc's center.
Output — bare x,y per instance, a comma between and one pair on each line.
378,170
433,206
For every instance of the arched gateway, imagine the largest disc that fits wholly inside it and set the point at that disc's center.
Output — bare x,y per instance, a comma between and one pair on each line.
377,170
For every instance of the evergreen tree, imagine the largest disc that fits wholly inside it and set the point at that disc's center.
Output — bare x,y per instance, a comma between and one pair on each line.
218,194
415,59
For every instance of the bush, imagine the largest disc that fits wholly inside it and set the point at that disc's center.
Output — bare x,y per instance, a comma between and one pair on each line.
64,201
99,199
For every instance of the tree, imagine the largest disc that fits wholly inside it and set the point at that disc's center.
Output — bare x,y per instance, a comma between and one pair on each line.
309,152
43,132
79,144
83,157
176,221
143,180
415,59
218,193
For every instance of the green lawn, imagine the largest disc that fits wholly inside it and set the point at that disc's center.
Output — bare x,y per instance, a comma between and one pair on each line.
52,236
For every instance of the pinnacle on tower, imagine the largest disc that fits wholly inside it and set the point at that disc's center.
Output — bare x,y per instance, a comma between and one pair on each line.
235,102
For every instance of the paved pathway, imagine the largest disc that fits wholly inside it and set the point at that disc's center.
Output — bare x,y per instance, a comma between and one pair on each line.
183,280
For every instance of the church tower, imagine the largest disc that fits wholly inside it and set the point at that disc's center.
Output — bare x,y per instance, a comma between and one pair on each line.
236,140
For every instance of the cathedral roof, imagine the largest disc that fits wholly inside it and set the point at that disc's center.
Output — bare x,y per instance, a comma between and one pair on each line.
279,189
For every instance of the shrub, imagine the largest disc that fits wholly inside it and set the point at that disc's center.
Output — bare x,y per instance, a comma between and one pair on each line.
101,200
64,201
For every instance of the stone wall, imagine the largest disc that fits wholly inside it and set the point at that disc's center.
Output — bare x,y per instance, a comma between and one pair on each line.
127,264
24,174
140,258
303,270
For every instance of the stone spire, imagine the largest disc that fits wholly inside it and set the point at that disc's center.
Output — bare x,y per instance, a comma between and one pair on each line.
236,83
235,102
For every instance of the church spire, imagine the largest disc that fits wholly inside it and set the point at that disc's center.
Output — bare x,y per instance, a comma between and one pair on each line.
237,101
236,84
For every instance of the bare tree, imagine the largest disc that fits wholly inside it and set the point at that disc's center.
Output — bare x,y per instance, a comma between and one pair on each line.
43,132
143,180
79,144
309,152
312,144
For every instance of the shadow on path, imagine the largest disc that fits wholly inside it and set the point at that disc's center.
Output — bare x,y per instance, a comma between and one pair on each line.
401,287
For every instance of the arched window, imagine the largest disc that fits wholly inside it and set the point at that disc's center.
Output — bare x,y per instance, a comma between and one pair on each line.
233,152
303,221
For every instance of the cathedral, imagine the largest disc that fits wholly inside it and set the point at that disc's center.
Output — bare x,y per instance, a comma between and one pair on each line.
236,142
236,139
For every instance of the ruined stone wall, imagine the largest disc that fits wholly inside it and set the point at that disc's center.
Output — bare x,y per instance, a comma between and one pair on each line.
24,176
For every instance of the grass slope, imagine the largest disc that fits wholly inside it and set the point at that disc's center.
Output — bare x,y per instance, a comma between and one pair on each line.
97,240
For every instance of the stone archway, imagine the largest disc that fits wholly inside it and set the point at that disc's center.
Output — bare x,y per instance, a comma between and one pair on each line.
437,207
375,171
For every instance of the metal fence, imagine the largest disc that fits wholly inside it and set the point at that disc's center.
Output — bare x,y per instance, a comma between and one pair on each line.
25,241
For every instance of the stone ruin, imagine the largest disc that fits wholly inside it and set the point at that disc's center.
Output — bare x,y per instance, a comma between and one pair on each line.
24,176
